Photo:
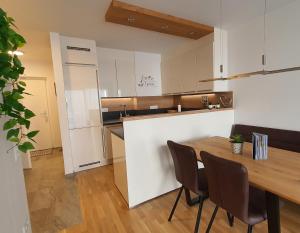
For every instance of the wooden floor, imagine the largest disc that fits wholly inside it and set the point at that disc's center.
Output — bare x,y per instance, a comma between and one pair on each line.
104,210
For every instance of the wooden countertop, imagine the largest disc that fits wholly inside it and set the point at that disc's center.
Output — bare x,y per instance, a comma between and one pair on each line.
279,174
134,118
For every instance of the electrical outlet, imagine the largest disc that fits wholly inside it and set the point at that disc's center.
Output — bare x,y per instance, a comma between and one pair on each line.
204,100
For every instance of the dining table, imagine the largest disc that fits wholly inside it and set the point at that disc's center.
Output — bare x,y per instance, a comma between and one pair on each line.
278,175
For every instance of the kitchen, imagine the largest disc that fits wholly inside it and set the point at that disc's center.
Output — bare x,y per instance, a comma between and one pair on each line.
105,92
125,92
130,78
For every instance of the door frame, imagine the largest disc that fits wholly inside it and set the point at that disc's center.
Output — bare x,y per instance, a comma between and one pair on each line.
33,78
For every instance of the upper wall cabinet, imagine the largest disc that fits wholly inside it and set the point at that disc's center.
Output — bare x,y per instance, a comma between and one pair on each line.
107,72
283,37
245,38
246,47
278,39
184,67
116,72
148,74
127,73
78,51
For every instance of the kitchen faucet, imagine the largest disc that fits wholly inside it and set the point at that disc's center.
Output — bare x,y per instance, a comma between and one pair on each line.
125,111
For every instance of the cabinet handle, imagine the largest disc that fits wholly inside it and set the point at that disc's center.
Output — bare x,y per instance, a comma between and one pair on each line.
78,48
263,60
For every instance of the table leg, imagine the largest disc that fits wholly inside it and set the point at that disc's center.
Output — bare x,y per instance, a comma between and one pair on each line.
188,198
273,212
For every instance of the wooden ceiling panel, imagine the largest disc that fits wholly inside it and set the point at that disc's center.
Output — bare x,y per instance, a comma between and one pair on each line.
134,16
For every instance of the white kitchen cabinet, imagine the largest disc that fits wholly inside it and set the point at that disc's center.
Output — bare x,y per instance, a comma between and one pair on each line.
116,71
184,67
79,51
246,47
107,72
125,73
81,96
283,37
171,82
86,145
148,74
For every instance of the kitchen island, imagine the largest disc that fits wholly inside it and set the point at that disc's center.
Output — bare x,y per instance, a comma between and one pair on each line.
143,166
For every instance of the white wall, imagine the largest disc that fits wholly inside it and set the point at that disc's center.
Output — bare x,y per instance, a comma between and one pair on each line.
13,201
35,68
268,101
271,101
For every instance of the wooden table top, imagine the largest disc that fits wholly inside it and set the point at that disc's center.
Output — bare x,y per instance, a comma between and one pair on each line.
280,174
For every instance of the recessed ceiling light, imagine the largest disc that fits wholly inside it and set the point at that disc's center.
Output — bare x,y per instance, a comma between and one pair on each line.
18,53
164,27
131,19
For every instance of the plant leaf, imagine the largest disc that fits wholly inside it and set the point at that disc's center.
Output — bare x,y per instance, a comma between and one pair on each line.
10,124
28,114
12,133
2,83
16,61
25,147
14,139
32,134
17,96
22,83
25,122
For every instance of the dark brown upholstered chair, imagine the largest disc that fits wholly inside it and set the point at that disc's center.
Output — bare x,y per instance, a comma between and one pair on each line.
229,189
278,138
188,174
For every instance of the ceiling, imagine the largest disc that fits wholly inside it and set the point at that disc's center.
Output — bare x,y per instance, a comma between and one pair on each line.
85,19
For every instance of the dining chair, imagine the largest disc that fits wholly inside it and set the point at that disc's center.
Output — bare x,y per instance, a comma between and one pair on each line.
188,174
229,189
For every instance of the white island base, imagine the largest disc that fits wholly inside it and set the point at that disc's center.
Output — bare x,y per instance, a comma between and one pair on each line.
146,166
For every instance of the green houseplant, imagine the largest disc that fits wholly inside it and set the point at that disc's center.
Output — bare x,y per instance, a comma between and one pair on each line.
12,89
237,142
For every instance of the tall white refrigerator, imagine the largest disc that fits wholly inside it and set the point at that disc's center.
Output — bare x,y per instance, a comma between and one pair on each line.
83,108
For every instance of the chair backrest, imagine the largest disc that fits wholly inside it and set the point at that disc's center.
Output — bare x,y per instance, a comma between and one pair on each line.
186,167
279,138
228,184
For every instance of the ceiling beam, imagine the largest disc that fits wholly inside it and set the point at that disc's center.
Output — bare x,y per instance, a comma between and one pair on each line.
135,16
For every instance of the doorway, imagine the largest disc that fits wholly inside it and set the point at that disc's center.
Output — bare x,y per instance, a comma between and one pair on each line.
37,102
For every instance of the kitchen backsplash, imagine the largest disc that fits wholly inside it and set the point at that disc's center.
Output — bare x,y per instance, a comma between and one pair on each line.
194,101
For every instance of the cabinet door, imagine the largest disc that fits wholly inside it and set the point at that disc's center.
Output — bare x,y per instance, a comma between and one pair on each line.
148,74
246,47
283,37
107,72
186,71
204,68
108,77
76,50
126,74
81,92
86,144
171,81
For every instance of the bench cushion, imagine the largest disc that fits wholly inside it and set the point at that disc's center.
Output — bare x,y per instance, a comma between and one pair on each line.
279,138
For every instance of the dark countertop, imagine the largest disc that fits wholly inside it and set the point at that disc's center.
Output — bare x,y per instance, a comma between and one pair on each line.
111,118
118,132
112,122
